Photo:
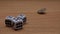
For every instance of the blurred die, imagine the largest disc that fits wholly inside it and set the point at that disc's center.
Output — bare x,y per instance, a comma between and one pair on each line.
23,17
17,24
8,21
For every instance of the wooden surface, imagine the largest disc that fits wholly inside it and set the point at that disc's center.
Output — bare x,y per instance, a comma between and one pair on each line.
48,23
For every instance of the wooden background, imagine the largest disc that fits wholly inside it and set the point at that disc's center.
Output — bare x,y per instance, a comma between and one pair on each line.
48,23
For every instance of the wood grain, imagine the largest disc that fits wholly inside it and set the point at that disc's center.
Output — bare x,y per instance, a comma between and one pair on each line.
48,23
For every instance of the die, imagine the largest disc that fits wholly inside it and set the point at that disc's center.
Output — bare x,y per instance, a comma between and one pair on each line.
8,21
23,17
17,24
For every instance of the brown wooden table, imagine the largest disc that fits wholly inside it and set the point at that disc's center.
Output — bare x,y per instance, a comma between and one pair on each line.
48,23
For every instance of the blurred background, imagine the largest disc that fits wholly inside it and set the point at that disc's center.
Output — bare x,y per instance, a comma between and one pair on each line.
48,23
